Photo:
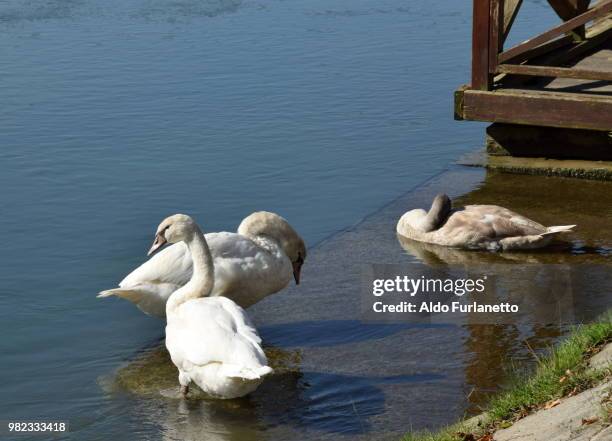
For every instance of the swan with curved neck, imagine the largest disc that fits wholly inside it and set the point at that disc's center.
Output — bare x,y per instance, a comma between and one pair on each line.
257,261
488,227
210,339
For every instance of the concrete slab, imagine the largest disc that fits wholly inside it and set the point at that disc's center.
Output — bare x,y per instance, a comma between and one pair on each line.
563,422
603,359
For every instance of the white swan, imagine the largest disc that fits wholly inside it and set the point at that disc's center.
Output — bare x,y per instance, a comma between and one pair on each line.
475,227
210,339
251,264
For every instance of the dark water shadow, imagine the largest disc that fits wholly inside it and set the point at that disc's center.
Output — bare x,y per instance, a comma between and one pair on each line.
293,399
325,333
332,403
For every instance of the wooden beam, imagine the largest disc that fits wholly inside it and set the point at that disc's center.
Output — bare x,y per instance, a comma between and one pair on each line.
481,78
549,109
580,5
568,9
596,34
511,8
541,49
564,9
557,72
496,23
572,53
557,52
604,7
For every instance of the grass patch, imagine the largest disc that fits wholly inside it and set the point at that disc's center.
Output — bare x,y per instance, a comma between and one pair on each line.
563,372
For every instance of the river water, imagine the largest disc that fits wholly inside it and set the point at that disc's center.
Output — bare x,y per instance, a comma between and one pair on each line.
117,113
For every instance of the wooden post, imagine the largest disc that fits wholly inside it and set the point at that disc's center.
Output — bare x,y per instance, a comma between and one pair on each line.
496,33
481,78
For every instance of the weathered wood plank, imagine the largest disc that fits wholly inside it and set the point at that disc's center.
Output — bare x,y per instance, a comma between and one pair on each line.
568,9
570,110
596,34
564,8
511,8
600,9
496,23
481,78
580,5
542,49
576,50
558,72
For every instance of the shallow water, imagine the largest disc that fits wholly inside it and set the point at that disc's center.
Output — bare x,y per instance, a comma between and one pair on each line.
338,377
115,114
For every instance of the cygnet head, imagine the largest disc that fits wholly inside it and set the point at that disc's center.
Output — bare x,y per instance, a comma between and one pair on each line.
264,223
427,221
173,229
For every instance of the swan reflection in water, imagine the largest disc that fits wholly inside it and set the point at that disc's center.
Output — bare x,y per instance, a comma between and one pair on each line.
555,287
545,293
150,379
432,254
290,402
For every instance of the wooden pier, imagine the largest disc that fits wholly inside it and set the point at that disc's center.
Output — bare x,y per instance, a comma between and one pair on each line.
559,79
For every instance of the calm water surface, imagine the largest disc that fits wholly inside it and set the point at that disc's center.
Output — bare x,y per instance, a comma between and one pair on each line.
117,113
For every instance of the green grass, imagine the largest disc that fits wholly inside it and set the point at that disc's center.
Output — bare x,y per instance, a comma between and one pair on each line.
563,371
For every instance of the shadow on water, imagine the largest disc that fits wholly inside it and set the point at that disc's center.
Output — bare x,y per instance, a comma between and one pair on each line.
326,333
301,400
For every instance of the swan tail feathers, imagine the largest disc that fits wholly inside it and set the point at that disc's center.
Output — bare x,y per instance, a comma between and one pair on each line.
246,373
558,229
131,294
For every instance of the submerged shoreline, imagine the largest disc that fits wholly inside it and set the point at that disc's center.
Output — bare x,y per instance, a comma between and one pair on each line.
329,387
341,378
580,366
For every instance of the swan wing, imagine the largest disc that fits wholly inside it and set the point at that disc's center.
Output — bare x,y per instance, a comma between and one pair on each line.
213,330
245,271
172,265
501,222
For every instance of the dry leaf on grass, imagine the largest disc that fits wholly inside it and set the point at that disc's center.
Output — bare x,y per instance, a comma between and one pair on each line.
573,392
587,421
552,404
487,437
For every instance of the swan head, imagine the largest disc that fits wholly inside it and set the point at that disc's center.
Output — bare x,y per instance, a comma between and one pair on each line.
427,221
173,229
273,226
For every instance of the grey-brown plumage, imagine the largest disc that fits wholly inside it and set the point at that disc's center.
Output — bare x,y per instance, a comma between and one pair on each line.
475,227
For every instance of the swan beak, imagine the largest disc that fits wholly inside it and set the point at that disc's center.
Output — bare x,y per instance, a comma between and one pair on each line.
159,242
297,269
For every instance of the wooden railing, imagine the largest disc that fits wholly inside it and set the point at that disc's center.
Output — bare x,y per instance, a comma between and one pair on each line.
492,21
